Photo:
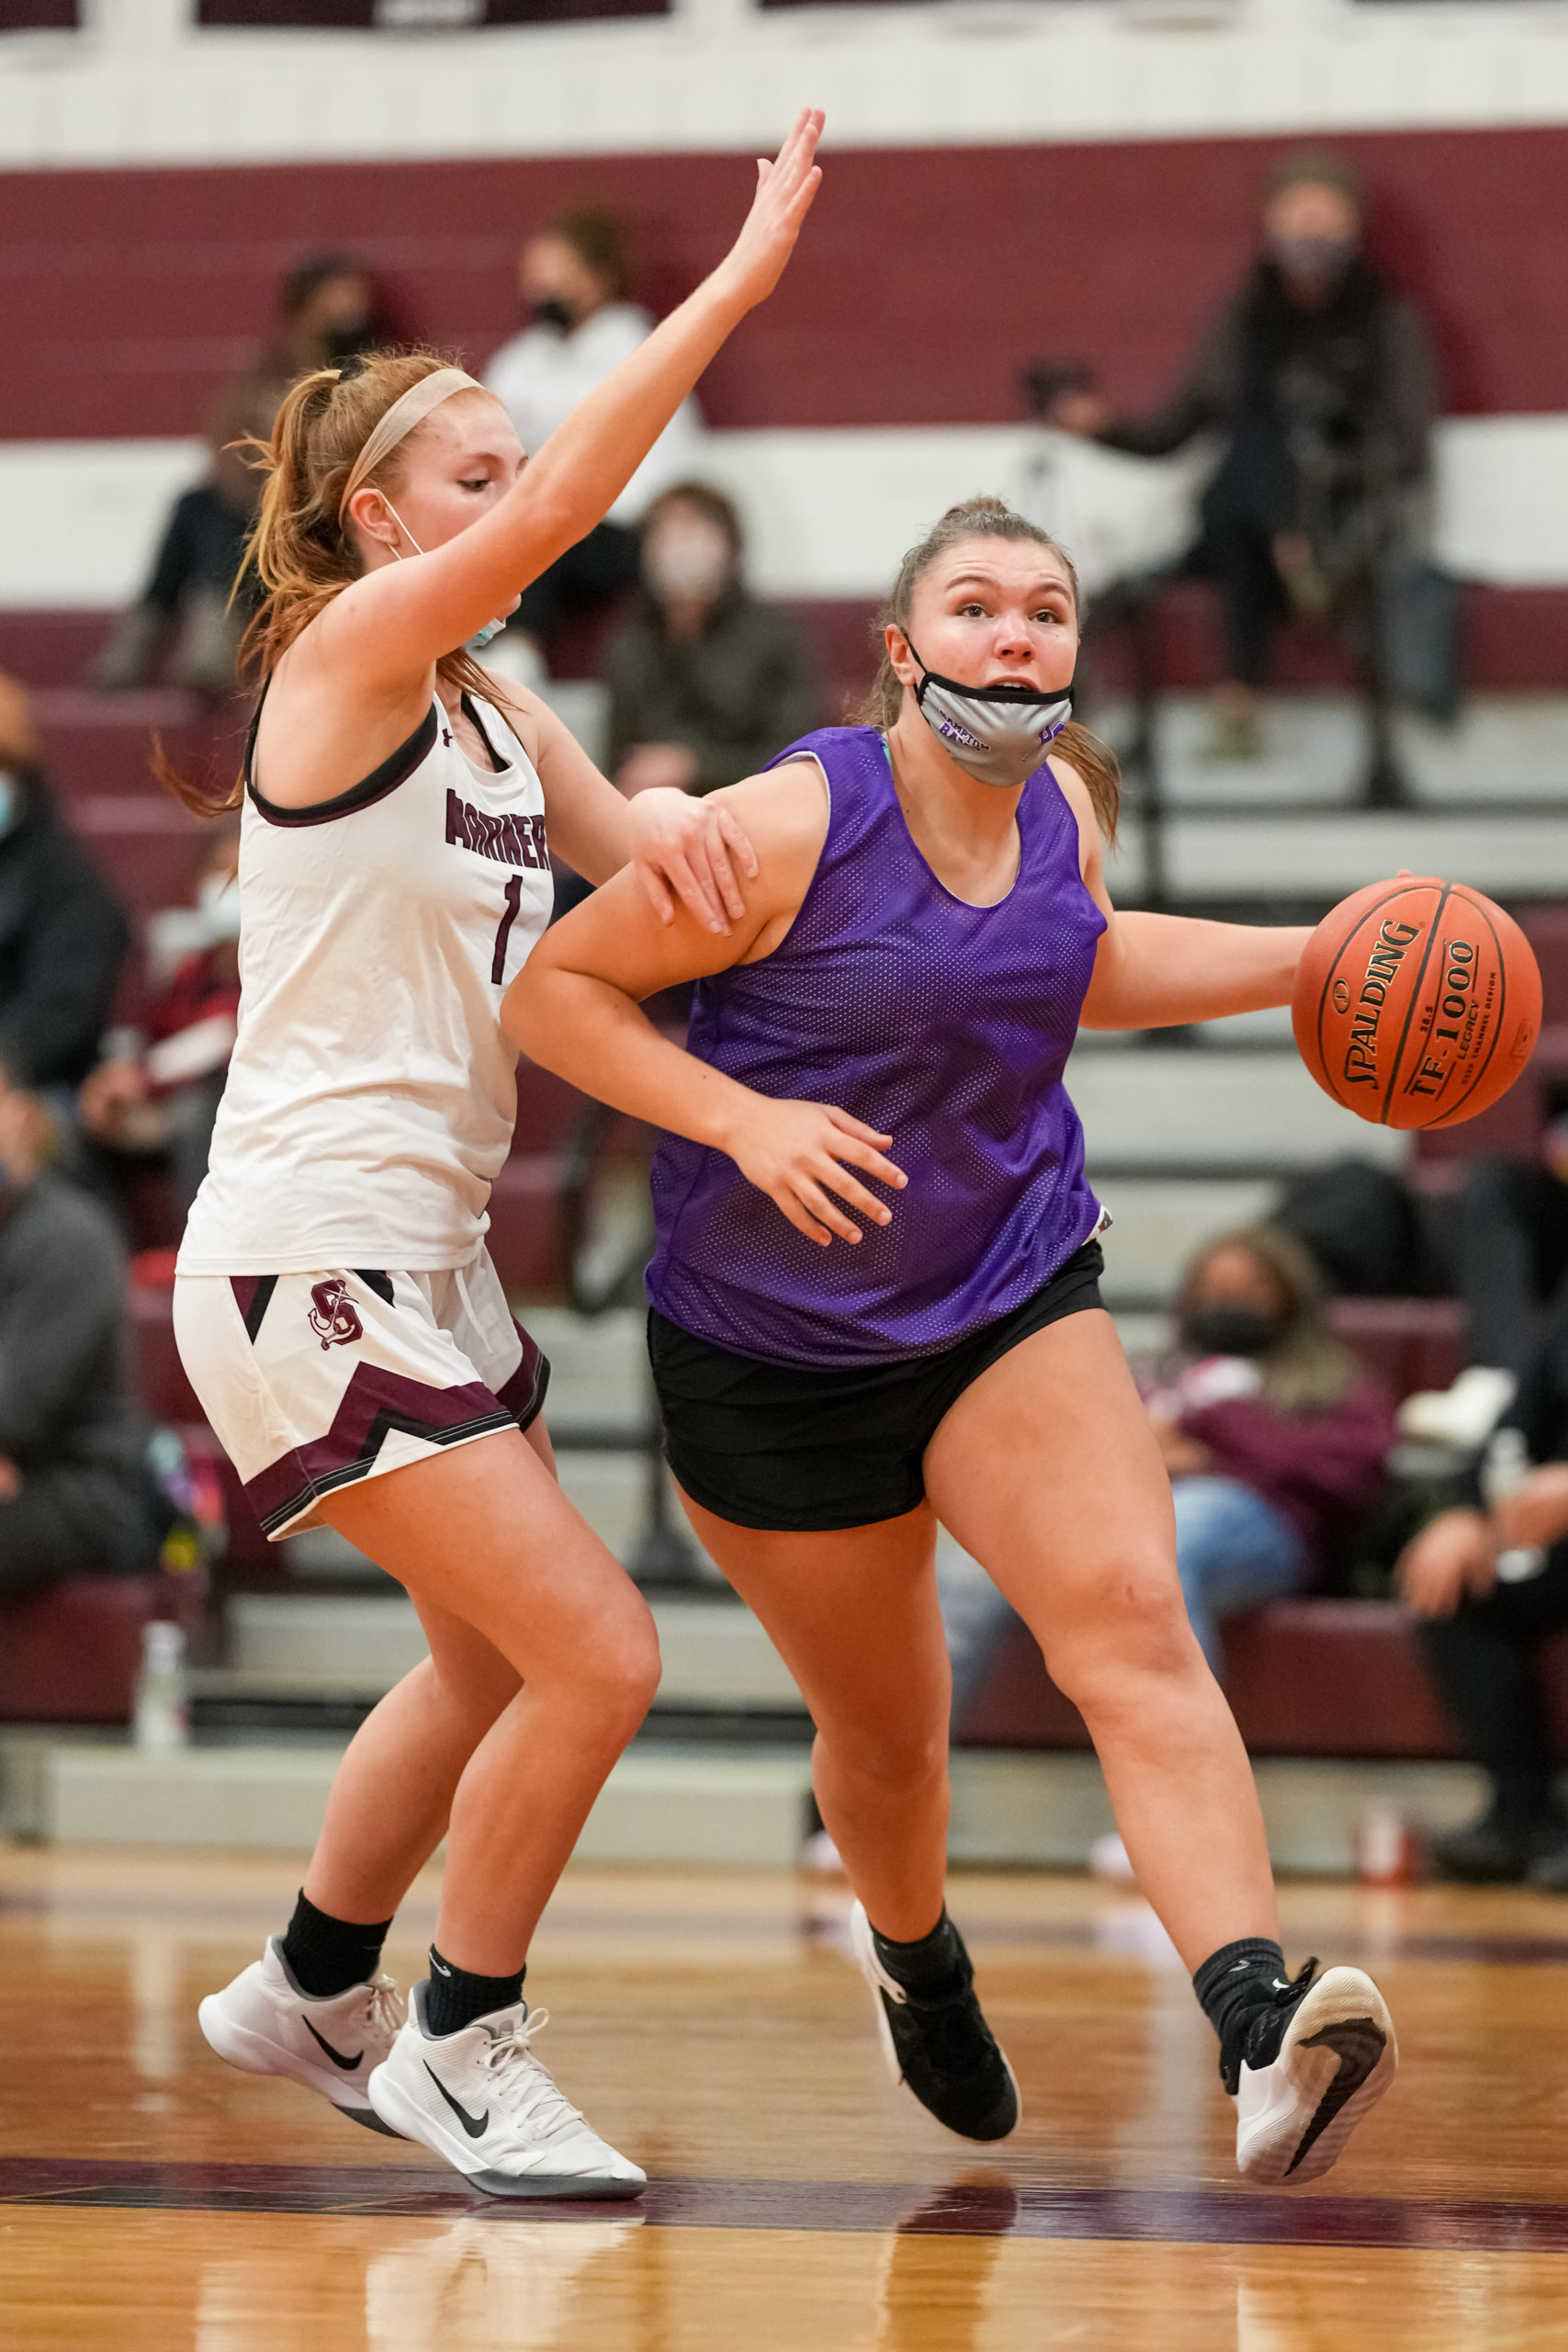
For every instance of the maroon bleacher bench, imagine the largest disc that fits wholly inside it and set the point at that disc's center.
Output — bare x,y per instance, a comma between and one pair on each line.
69,1652
1305,1677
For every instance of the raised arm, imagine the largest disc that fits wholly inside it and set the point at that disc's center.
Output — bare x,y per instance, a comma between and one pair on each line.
1160,971
403,616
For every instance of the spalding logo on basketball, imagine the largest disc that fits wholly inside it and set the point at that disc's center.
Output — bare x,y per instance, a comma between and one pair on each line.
1416,1003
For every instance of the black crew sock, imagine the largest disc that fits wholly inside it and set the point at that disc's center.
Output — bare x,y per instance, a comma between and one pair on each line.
453,1997
326,1955
1232,1986
928,1964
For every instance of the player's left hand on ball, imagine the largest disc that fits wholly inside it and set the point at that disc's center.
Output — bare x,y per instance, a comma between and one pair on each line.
691,851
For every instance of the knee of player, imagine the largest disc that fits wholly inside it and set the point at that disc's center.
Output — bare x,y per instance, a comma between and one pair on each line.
1136,1628
624,1670
904,1757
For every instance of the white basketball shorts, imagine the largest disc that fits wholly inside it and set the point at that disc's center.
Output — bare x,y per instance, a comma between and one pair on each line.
312,1382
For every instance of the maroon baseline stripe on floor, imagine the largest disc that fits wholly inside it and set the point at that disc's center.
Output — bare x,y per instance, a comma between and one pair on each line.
1168,2216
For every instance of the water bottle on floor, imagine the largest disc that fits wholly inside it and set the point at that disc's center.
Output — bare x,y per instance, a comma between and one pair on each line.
161,1717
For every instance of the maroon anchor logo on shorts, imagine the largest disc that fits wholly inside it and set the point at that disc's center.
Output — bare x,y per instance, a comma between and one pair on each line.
336,1323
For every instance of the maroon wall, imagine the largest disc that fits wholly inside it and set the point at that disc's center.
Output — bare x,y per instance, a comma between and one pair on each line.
926,278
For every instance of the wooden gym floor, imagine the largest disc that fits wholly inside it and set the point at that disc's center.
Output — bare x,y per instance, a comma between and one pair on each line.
152,2200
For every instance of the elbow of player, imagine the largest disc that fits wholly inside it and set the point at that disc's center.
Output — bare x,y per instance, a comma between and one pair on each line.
521,1019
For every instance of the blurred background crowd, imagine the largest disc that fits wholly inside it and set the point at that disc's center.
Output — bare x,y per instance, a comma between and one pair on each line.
1354,1352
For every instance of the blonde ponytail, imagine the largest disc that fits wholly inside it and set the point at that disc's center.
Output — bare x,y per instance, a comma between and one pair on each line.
300,555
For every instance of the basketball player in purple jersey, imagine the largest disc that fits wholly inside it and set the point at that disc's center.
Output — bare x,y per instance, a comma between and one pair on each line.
335,1307
875,1305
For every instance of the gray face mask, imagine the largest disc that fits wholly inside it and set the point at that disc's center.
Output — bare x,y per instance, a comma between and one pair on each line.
998,734
482,636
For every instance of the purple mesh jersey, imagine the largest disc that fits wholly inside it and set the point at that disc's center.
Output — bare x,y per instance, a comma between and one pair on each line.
947,1026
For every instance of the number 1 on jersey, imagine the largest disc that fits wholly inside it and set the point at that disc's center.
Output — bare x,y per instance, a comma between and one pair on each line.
504,928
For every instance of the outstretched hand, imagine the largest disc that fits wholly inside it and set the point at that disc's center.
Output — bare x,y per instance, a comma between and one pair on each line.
785,189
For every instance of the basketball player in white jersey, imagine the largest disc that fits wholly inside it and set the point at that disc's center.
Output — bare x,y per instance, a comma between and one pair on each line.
335,1307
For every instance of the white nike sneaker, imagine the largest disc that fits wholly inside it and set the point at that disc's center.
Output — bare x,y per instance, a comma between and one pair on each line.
481,2098
265,2025
1335,2059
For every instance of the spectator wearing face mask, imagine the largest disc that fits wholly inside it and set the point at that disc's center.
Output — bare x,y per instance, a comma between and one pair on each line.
1274,1442
1319,379
705,683
327,311
157,1090
76,1495
63,936
572,279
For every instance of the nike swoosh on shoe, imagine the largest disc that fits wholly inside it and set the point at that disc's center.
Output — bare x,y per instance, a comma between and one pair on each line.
475,2131
348,2065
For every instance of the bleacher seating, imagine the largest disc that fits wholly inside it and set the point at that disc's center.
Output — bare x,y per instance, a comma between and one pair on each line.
1305,1677
70,1653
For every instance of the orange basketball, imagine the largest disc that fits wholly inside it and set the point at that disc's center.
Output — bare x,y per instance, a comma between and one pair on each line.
1416,1003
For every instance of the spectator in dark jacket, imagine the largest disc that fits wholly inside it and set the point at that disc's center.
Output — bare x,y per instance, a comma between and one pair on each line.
1319,378
705,683
75,1489
1487,1581
327,312
63,936
1274,1440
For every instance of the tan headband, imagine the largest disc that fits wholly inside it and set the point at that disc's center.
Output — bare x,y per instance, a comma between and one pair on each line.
410,408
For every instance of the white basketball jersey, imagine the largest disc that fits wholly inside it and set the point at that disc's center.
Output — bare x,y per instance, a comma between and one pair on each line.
371,1095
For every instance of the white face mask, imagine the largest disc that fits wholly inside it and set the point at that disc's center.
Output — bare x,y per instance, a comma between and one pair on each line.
998,734
482,636
687,560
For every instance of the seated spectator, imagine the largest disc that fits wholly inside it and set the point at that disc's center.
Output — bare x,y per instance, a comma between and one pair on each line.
1274,1440
62,934
1319,378
158,1090
76,1492
327,312
705,683
572,278
1488,1579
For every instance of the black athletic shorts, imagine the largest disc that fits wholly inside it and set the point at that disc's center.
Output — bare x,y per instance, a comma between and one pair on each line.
794,1446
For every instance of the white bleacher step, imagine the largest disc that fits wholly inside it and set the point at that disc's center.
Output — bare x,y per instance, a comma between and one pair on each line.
1156,1226
673,1804
1170,1106
738,1807
287,1645
1312,751
1228,854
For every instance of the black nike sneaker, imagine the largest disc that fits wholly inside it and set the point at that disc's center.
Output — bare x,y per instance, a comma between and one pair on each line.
939,2047
1305,2068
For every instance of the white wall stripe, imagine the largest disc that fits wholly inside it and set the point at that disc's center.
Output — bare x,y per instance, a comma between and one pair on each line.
143,86
829,512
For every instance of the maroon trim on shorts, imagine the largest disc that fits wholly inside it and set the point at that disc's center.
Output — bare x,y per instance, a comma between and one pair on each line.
374,1402
253,1296
524,1394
